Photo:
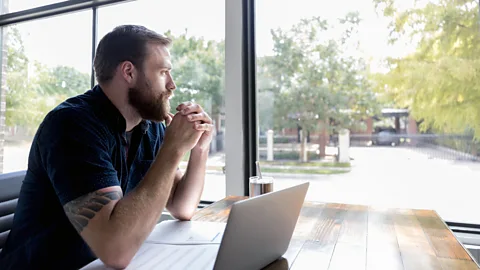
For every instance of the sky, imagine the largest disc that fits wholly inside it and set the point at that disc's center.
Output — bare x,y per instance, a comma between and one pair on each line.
66,39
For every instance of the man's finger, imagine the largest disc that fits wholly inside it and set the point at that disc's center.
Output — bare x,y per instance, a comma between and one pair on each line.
203,117
183,105
194,108
168,119
204,127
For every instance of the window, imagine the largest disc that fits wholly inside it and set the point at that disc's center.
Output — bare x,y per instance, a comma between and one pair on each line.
198,35
397,81
42,68
19,5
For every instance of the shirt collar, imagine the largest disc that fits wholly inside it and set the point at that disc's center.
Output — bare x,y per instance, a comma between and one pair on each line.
114,115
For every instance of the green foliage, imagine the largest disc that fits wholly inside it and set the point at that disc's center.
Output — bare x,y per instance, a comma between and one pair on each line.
313,79
34,89
307,164
61,81
290,155
439,81
199,68
21,101
309,79
278,140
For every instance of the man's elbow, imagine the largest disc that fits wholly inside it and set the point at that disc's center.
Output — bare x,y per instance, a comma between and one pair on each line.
116,262
116,257
183,214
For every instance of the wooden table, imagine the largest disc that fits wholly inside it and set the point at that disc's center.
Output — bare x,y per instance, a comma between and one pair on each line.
341,236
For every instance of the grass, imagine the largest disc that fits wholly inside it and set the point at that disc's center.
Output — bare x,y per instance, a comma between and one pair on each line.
280,170
307,164
308,167
305,171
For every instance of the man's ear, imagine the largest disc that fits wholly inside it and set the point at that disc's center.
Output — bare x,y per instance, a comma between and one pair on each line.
128,72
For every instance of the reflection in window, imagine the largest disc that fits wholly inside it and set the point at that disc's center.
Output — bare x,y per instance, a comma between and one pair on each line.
41,70
198,53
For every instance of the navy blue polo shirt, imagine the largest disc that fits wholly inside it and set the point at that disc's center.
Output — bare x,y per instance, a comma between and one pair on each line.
80,147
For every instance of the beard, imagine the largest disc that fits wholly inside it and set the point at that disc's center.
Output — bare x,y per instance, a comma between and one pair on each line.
150,104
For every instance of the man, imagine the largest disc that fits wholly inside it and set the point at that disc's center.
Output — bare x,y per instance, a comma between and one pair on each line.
102,166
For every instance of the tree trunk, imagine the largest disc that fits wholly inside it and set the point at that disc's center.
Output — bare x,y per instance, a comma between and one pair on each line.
303,147
218,121
323,139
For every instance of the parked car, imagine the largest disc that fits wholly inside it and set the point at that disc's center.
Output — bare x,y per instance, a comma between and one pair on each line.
386,137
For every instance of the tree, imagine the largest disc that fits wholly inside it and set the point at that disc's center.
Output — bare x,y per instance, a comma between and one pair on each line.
61,81
199,72
315,82
18,107
34,89
438,82
266,92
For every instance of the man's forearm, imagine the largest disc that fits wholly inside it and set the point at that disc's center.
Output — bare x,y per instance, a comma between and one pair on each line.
136,214
187,192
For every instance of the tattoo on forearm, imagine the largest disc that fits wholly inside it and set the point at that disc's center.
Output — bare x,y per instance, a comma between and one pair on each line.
81,210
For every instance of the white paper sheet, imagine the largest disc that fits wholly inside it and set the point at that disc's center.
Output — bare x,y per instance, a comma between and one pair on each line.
187,233
160,256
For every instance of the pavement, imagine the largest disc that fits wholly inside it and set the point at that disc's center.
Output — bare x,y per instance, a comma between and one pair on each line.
388,177
380,176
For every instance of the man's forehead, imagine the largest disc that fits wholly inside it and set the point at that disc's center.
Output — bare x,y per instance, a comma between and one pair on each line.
159,53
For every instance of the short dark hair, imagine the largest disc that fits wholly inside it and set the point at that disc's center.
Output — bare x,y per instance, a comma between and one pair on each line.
124,43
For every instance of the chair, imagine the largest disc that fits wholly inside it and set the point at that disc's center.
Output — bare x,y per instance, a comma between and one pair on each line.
10,184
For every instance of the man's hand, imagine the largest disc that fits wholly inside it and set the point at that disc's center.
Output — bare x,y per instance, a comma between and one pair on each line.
201,120
181,133
168,119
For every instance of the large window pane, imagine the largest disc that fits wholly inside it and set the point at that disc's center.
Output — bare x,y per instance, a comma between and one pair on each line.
19,5
400,76
42,68
198,34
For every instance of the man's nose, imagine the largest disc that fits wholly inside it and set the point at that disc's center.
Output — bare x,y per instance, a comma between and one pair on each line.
171,85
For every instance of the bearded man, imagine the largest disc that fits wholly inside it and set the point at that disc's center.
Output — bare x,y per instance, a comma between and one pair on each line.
103,165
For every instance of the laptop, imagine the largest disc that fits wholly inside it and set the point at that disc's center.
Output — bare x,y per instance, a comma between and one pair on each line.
258,232
259,229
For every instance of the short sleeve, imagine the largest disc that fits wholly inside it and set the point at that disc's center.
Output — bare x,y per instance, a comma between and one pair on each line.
74,151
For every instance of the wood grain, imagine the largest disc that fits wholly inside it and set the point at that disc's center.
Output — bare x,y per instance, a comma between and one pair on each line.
352,240
339,236
416,251
218,211
318,249
443,241
305,224
383,251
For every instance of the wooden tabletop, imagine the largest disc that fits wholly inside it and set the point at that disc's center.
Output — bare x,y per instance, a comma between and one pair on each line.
342,236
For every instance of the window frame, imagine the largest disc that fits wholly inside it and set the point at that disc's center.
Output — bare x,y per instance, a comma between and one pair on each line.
240,84
54,9
241,128
239,19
